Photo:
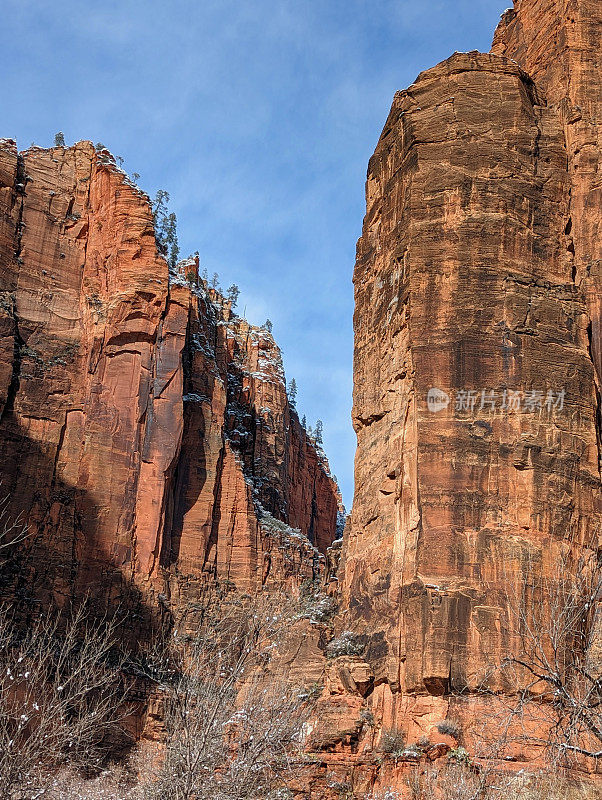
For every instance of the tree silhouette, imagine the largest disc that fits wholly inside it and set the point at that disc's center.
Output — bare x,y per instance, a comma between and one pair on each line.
292,393
233,294
166,233
319,431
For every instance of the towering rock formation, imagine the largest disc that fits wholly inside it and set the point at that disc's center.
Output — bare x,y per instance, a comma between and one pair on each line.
477,361
465,282
145,433
558,42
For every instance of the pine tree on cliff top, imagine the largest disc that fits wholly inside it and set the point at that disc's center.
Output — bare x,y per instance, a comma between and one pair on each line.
292,394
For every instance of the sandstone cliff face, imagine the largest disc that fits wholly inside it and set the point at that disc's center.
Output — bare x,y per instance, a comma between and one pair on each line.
559,43
465,279
145,435
477,275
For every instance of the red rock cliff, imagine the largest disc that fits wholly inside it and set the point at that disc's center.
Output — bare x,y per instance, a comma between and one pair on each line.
559,43
145,435
466,280
478,276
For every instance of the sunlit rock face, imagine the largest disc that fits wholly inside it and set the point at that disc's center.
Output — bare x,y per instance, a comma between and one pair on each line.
559,43
146,436
465,282
477,359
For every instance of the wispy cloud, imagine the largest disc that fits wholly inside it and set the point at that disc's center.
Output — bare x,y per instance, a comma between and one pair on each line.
259,119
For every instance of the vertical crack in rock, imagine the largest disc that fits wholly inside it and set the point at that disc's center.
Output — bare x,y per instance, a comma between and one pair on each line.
211,554
13,387
598,405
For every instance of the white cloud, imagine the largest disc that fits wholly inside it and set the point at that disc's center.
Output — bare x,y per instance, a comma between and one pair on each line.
259,119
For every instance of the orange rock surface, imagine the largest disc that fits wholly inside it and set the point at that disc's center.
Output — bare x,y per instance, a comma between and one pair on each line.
477,277
559,43
465,281
146,436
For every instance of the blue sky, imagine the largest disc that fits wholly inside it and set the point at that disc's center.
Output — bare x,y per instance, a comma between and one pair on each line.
259,119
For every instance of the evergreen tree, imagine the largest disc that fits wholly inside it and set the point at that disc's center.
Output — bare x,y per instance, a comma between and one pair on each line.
166,233
304,422
268,325
59,139
135,176
159,204
171,240
292,393
319,431
215,281
233,294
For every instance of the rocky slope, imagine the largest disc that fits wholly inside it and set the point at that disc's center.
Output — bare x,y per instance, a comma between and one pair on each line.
145,433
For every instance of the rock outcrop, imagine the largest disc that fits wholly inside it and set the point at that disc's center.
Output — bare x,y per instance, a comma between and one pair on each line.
466,280
476,373
146,437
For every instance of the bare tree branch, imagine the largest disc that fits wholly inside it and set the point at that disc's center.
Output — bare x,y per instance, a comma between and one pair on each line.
62,696
234,726
556,626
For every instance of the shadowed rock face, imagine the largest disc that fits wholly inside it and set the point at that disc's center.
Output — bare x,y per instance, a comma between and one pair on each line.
144,427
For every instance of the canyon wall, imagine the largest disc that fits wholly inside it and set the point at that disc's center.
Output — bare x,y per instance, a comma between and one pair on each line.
559,43
146,438
476,380
466,283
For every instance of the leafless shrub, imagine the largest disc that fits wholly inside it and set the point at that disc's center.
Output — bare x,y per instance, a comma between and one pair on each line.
552,786
12,531
553,673
234,727
61,698
319,608
448,727
392,741
367,717
458,781
116,782
452,781
347,644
